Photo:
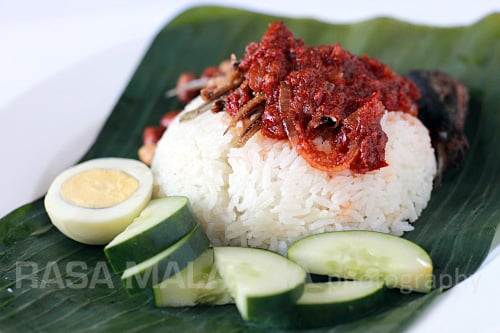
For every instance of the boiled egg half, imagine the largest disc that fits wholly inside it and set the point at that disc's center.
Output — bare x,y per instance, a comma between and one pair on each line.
94,201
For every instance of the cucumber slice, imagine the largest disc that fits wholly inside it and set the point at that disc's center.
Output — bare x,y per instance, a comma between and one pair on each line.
163,222
365,255
166,263
260,281
335,302
198,283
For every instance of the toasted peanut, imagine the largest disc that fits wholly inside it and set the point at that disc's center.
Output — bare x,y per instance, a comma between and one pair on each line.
168,117
147,153
152,134
211,72
185,95
226,66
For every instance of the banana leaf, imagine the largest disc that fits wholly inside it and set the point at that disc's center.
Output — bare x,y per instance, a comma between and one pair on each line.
51,283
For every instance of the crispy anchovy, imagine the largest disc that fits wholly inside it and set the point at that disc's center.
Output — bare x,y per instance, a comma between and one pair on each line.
191,85
246,110
191,114
219,105
212,94
253,127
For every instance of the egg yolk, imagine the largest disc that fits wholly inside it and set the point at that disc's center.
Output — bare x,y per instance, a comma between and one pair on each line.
99,188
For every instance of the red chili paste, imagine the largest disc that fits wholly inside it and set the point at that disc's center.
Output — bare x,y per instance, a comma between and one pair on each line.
325,100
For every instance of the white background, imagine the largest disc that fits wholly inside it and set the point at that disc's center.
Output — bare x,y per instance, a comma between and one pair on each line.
52,105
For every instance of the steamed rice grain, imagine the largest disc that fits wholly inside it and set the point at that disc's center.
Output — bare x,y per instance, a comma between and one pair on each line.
265,195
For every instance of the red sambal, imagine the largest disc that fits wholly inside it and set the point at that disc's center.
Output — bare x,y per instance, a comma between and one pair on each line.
325,100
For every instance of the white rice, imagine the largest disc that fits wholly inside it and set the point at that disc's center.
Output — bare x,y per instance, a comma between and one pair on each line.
265,195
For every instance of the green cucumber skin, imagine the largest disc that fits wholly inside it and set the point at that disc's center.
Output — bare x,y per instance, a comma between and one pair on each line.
199,283
313,316
150,242
394,276
259,307
322,315
193,245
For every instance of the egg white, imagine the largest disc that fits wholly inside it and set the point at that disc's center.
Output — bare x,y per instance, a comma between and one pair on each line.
98,226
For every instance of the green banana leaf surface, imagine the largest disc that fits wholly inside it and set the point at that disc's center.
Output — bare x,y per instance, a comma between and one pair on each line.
49,283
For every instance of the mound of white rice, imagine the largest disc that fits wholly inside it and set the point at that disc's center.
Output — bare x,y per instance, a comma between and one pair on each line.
265,195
